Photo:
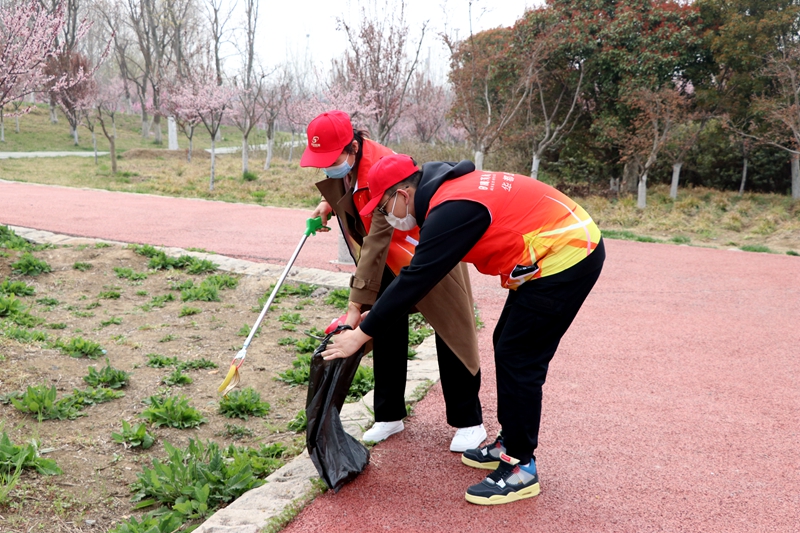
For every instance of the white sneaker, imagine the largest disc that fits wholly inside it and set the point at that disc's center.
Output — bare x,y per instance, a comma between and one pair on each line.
468,438
382,431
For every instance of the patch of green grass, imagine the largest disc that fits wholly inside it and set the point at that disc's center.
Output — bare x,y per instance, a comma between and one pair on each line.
792,252
102,245
756,248
83,267
243,404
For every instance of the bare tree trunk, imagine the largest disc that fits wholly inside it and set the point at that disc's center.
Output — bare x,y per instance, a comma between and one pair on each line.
478,159
641,199
213,161
75,134
16,128
268,162
191,145
676,177
2,126
114,126
112,142
245,154
291,147
535,166
157,123
795,176
630,174
744,177
53,114
94,145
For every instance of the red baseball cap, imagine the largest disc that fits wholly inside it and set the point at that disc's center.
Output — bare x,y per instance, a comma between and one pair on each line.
388,171
328,134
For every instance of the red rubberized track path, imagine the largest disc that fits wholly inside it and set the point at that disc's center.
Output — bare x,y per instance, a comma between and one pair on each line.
672,405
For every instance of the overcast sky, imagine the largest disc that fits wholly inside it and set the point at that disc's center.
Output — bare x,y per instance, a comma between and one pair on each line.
287,29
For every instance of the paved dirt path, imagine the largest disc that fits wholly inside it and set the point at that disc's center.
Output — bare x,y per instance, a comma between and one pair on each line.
673,404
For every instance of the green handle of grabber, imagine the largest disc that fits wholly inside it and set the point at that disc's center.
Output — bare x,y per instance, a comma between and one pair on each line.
313,225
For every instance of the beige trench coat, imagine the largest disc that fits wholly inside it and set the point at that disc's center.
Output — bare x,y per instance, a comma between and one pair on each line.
448,307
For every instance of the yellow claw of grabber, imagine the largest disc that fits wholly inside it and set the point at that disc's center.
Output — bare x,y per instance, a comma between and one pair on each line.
227,386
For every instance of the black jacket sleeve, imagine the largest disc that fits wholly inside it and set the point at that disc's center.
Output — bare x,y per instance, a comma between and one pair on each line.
449,232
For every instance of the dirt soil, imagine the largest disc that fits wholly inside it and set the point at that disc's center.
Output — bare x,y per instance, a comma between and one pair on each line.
93,492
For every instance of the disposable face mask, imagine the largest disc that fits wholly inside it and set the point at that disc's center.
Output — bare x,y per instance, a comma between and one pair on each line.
406,223
339,171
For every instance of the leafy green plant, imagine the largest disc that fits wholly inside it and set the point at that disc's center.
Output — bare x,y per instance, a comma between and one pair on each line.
92,396
155,360
205,292
161,300
793,253
109,295
107,377
56,325
201,266
223,281
197,364
17,288
299,373
248,175
243,404
41,401
291,318
11,454
134,437
13,309
153,522
28,265
48,302
22,334
83,267
172,411
102,245
128,273
189,311
306,345
197,480
756,248
111,322
176,378
285,341
80,347
244,331
168,338
235,431
338,298
94,305
363,382
11,241
299,422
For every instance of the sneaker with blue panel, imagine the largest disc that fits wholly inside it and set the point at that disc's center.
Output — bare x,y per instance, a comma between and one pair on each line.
486,457
509,483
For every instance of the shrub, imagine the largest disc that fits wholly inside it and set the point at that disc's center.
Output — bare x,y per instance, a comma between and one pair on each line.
248,175
28,265
243,404
173,411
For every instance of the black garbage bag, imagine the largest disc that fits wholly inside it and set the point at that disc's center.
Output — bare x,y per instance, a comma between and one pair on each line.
338,457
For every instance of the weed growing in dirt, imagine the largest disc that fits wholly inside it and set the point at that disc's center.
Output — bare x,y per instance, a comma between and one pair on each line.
201,266
80,347
244,331
109,295
205,292
10,240
363,382
299,373
189,311
47,302
17,288
306,345
92,396
14,459
107,377
299,422
290,318
129,274
756,248
134,437
168,338
338,298
243,404
172,411
176,378
113,321
155,360
236,431
28,265
40,400
83,267
153,522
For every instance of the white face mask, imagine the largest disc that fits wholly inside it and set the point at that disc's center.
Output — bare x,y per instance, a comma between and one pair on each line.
406,223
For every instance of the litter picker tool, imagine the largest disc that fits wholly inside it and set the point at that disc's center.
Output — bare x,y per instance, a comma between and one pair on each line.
232,379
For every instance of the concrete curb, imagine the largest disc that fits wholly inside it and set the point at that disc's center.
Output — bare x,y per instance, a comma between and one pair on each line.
254,510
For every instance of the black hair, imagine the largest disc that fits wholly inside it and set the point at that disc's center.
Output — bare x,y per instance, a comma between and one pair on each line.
411,181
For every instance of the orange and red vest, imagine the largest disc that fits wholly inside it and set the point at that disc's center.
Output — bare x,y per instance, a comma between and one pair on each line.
404,243
536,230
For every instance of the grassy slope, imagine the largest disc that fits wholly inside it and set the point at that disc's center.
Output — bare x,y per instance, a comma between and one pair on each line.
698,217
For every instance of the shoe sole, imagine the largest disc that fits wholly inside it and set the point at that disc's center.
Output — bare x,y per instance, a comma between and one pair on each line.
491,465
527,492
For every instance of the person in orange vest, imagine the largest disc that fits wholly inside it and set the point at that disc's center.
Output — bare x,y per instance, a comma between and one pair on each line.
346,155
546,250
